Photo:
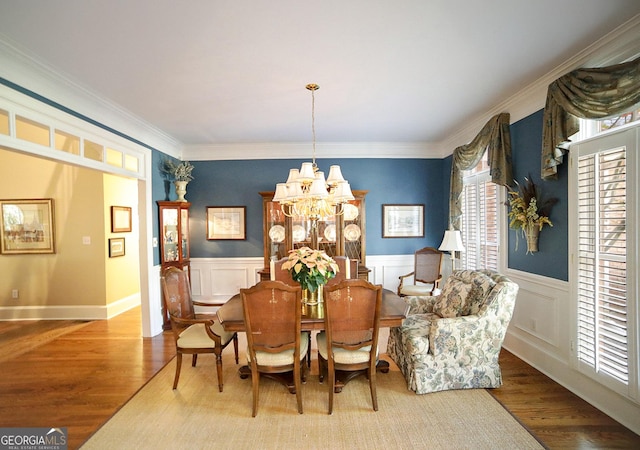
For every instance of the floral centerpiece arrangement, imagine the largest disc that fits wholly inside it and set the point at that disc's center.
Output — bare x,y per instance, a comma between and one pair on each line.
529,212
310,268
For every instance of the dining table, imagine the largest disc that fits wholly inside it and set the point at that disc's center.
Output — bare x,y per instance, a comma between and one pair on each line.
393,311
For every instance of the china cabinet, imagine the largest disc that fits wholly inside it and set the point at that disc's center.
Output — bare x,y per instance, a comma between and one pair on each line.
339,235
174,240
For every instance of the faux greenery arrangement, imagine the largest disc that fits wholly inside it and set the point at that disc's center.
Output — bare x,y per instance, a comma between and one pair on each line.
176,172
529,210
310,268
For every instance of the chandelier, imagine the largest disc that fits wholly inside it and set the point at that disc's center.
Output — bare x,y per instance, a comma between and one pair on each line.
306,193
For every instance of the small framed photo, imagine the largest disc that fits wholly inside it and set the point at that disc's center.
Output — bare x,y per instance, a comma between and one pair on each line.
402,221
226,222
116,247
120,219
27,226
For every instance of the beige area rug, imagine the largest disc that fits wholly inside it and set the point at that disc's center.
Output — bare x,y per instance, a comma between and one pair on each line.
197,416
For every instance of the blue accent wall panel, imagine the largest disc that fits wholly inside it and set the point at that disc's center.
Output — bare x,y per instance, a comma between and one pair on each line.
552,258
389,181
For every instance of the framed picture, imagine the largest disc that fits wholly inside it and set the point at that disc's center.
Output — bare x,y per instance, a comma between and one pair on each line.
401,221
26,226
120,219
116,247
226,222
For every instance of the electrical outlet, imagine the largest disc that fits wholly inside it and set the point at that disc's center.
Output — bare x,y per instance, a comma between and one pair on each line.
15,293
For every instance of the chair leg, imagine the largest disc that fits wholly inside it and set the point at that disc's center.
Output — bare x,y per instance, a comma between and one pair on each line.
194,359
219,369
304,369
178,367
309,351
296,382
332,384
372,387
235,346
255,382
322,368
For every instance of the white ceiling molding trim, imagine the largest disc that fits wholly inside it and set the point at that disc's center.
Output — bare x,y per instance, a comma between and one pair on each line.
26,71
303,150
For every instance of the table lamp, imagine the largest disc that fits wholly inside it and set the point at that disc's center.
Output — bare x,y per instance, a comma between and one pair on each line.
452,242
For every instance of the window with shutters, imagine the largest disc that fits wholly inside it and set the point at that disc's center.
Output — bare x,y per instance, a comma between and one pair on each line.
603,172
480,219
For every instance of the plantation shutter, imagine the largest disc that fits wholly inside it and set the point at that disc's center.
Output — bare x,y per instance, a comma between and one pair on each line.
479,223
489,226
469,225
602,338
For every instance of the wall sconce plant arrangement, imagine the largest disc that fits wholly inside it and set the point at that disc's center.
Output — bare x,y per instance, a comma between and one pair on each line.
529,212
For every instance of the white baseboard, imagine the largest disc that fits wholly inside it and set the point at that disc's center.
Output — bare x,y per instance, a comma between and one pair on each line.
69,312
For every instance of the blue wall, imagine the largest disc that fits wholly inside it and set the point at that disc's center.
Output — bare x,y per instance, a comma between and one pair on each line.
238,183
426,181
552,258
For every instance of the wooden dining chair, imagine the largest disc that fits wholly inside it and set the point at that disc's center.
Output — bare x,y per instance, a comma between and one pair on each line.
272,316
426,274
342,262
282,275
349,343
193,334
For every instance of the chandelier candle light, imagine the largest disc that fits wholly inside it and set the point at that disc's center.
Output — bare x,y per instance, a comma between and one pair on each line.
306,192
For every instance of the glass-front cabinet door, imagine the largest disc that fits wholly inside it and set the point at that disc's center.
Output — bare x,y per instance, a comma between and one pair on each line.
184,233
174,240
341,234
174,232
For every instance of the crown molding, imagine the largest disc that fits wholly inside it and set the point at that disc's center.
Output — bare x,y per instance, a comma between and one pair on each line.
303,150
18,66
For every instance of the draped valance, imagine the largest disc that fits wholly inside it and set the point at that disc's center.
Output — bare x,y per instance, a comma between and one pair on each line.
588,94
494,138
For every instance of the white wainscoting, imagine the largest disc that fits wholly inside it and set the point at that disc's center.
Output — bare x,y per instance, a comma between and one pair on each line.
540,333
219,279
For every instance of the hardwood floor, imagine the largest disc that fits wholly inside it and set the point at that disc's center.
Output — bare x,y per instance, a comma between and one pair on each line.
79,376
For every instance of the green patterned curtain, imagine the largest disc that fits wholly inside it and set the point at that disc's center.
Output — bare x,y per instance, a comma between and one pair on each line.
494,138
588,94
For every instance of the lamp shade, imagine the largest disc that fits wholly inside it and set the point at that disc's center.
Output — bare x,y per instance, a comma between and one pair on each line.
452,241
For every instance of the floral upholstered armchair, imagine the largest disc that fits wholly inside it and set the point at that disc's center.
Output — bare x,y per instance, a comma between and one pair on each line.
452,341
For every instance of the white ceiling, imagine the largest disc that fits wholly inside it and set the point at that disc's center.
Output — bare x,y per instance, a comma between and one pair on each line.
216,72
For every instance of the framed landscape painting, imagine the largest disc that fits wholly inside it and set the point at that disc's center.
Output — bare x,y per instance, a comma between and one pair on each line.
402,221
226,222
27,226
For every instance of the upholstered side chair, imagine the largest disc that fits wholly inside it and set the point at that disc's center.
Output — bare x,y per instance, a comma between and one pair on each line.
426,273
194,334
453,340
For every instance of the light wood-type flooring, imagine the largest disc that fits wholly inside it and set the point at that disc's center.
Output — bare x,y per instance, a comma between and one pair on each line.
77,375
